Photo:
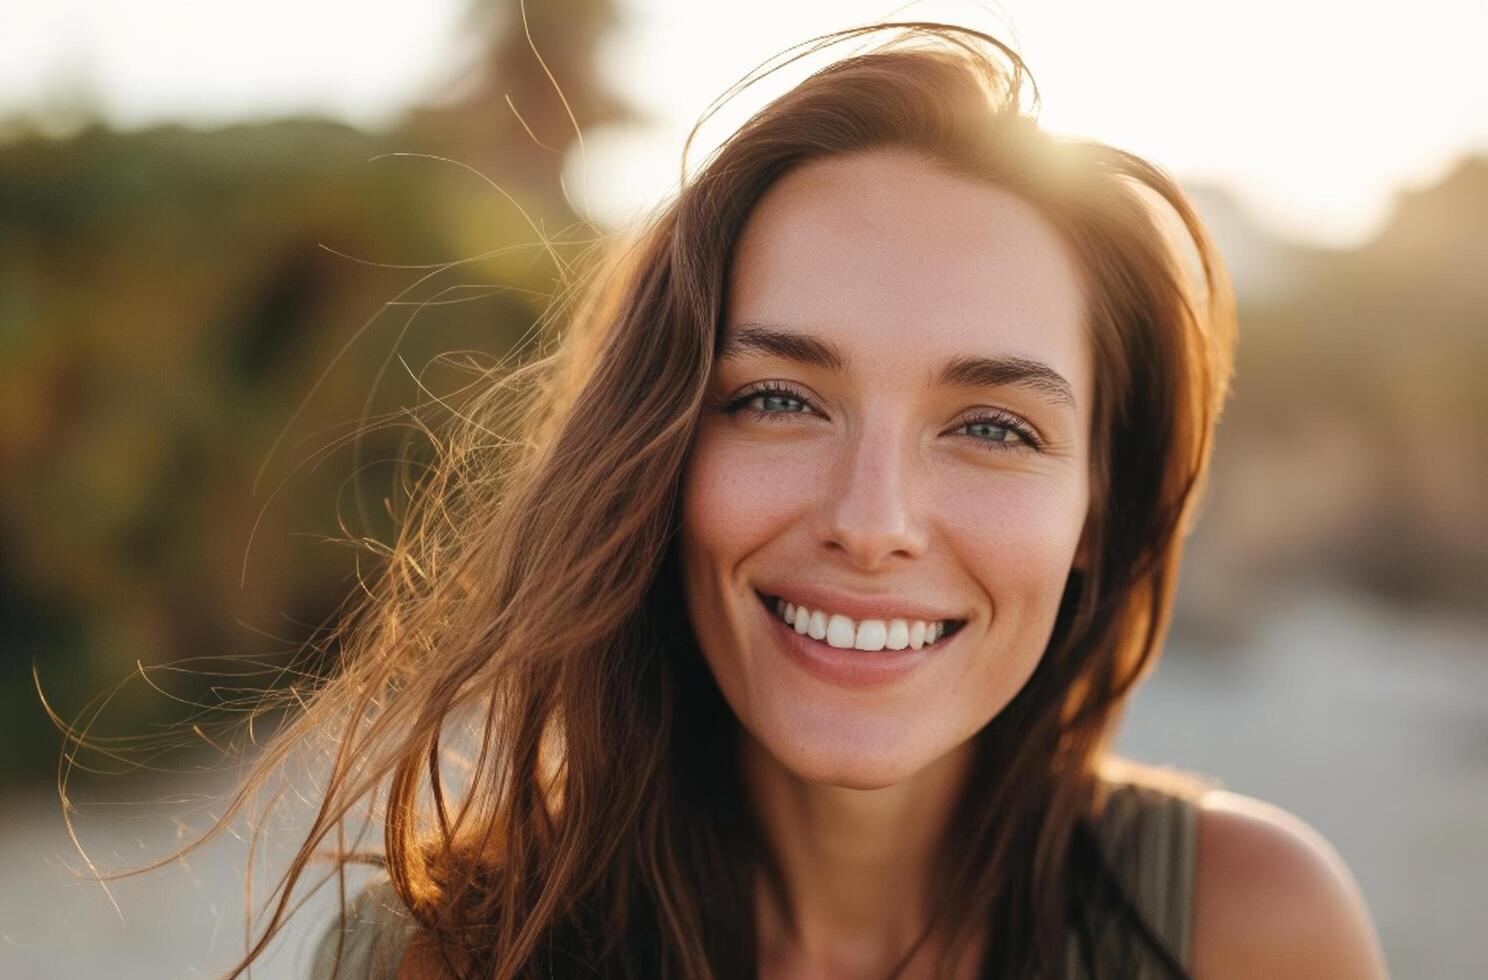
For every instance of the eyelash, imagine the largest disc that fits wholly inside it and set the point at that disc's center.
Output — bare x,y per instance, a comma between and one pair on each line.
1002,420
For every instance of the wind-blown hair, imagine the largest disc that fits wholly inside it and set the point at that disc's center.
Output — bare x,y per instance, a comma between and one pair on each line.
530,613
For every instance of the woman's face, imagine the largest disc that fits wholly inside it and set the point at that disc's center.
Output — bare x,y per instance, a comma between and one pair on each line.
897,436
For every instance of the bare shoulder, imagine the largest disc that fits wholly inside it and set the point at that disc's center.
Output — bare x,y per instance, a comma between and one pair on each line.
1272,898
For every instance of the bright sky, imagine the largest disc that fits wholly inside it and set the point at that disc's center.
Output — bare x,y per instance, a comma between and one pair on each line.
1313,111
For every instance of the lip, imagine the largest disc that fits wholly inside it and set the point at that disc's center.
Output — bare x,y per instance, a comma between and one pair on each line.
857,669
829,600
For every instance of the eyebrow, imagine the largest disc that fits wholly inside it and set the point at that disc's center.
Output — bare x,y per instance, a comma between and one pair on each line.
963,371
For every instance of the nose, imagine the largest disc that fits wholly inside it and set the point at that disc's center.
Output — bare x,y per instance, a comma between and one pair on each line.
869,513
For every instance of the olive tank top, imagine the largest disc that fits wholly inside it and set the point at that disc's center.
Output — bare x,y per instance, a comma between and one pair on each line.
1148,831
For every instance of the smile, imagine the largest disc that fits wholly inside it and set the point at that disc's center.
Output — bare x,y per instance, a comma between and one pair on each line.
832,658
845,633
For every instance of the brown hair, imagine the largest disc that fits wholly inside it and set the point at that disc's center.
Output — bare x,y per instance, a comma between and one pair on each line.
530,607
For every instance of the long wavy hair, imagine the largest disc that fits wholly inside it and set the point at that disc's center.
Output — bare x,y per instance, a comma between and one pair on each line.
518,699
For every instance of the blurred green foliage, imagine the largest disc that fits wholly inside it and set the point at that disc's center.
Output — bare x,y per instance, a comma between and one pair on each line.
169,298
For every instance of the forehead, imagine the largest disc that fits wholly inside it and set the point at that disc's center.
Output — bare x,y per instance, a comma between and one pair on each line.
896,261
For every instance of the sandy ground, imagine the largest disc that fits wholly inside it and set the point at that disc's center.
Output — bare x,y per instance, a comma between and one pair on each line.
1370,726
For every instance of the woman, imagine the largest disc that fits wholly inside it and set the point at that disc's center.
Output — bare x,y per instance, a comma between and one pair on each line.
823,556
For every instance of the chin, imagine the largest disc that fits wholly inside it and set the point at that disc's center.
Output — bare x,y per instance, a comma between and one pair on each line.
844,756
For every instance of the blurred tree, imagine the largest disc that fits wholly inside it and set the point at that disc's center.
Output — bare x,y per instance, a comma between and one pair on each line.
507,117
167,300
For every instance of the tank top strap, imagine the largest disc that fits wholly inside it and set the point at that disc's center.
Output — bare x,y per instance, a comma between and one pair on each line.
1148,830
373,938
1152,836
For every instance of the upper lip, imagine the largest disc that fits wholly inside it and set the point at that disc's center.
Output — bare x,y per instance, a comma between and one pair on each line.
857,605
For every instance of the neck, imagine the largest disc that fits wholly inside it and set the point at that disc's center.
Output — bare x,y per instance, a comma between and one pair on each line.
856,863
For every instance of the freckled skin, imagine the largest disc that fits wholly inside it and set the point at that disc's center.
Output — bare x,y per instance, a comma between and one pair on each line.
878,485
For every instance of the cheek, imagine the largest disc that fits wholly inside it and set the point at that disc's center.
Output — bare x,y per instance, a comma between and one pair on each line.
732,504
736,498
1016,534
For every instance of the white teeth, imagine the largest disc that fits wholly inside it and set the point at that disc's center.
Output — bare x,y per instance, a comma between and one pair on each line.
817,627
840,632
872,635
846,633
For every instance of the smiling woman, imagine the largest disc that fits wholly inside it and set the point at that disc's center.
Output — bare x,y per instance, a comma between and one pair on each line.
792,635
919,438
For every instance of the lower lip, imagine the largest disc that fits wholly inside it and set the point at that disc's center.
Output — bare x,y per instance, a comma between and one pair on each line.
852,668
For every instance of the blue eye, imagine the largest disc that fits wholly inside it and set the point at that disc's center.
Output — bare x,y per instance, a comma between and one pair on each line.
1001,433
770,400
770,403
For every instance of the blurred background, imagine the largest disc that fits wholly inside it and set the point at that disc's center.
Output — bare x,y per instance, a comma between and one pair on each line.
212,272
